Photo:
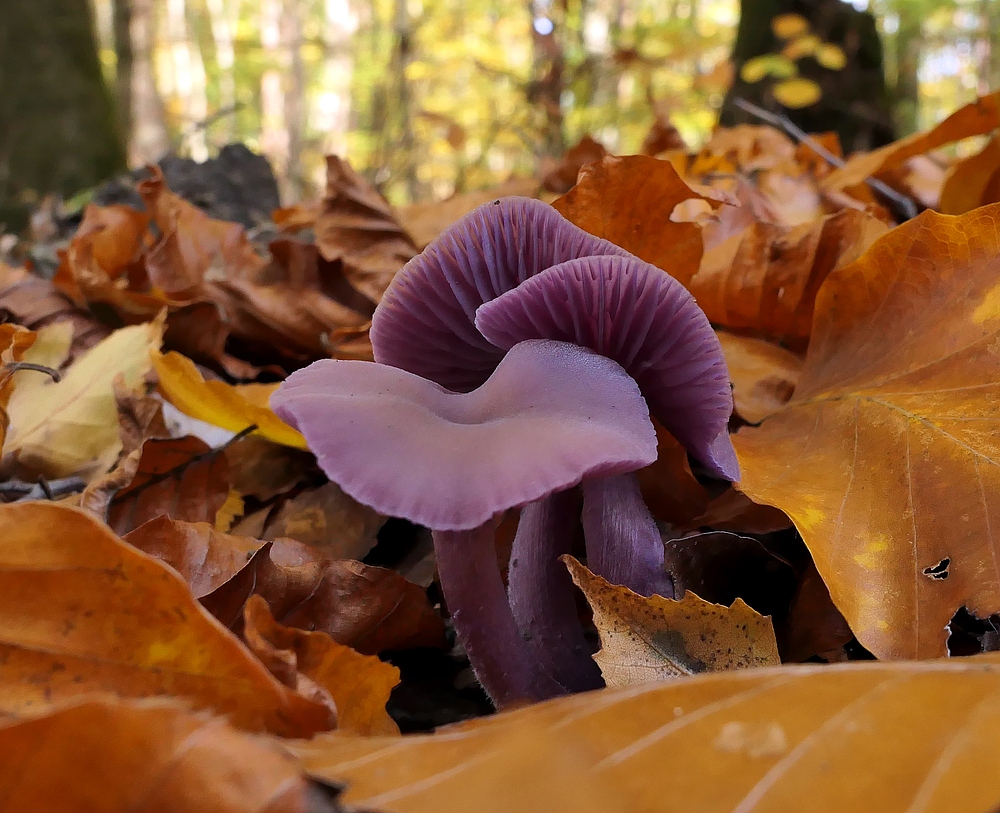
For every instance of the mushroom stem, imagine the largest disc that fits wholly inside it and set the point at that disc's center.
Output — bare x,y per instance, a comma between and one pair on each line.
623,543
542,594
503,661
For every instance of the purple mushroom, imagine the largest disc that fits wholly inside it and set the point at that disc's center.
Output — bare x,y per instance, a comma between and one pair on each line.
516,357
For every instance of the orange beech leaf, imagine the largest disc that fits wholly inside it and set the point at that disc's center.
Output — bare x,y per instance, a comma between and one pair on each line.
84,612
358,227
863,737
656,638
14,341
766,278
629,201
182,478
117,756
763,375
233,407
358,685
972,182
887,457
982,116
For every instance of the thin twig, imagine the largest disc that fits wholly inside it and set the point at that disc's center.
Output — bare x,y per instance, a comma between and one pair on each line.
906,206
16,366
159,478
19,490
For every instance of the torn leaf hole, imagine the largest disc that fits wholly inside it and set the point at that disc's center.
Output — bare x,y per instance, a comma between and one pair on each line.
938,571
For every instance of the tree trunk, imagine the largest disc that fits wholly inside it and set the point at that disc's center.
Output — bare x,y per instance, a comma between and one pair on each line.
855,102
140,103
58,130
906,94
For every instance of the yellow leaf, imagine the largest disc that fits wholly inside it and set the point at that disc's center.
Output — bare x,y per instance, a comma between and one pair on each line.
797,92
775,65
801,46
71,427
221,404
787,26
648,639
831,56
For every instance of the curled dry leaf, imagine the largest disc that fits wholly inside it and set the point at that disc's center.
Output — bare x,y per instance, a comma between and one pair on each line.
233,407
629,201
182,478
107,755
669,488
84,612
761,740
562,176
972,182
887,457
982,116
358,685
763,375
656,638
766,278
71,426
358,227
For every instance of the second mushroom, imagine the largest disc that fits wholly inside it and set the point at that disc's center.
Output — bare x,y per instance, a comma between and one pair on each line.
518,360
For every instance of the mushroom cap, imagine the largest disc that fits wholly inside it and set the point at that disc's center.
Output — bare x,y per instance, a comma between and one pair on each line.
424,323
631,311
550,415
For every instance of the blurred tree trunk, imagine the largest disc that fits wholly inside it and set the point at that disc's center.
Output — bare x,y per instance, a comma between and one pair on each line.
189,72
548,75
402,25
58,130
855,101
338,66
294,96
906,93
140,106
223,18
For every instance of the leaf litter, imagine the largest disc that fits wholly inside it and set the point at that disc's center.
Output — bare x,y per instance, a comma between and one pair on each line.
163,590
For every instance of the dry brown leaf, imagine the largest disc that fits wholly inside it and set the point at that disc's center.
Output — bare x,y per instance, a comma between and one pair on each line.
814,625
910,736
561,177
325,518
84,612
982,116
182,478
766,278
262,469
629,201
357,226
734,511
370,609
112,756
35,303
887,457
359,685
656,638
70,427
973,181
763,375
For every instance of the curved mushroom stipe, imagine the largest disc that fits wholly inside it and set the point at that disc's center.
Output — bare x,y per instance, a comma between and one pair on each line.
551,414
424,323
631,311
624,545
542,594
505,664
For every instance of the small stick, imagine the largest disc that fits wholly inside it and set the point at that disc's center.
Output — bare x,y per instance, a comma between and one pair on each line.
906,206
38,368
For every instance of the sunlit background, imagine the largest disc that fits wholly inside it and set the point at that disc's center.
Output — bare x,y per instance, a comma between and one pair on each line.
431,97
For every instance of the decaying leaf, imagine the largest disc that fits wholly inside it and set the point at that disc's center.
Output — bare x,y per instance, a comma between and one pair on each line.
112,756
649,639
83,612
221,404
71,426
973,181
359,685
887,457
669,488
761,740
